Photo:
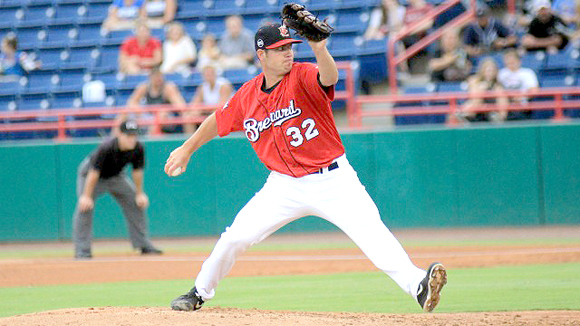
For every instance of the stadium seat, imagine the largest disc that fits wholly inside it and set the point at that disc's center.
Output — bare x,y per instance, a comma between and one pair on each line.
260,6
67,13
350,20
36,101
534,60
50,58
59,35
66,100
96,12
7,101
28,38
415,119
72,80
8,16
37,15
88,35
39,82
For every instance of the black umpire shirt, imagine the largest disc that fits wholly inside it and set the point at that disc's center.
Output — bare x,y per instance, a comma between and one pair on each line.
110,160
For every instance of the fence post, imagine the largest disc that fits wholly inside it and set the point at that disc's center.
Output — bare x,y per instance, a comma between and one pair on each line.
61,127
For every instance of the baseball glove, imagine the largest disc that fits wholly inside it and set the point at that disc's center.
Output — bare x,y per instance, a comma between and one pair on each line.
296,17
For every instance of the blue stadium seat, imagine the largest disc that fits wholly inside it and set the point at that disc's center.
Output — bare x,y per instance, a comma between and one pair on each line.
7,101
534,61
349,20
96,12
215,25
38,15
72,80
79,58
60,35
8,16
223,7
109,78
66,100
561,63
261,6
416,119
88,35
28,38
36,101
50,58
67,13
238,76
342,45
39,82
108,58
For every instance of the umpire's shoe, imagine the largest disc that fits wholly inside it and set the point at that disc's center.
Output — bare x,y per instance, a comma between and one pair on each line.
429,291
188,302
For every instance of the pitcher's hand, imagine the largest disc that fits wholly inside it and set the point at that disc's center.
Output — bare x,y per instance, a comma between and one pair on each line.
178,158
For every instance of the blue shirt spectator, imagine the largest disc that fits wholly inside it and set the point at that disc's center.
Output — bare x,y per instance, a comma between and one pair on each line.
487,34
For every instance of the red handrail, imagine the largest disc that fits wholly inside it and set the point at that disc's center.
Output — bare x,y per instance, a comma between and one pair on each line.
60,119
449,103
394,61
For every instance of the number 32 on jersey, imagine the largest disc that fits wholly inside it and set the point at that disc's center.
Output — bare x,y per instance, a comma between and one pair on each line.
306,132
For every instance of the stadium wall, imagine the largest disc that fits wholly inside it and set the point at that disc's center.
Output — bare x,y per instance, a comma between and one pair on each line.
488,176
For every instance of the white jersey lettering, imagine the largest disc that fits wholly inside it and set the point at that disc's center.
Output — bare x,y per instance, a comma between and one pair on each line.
254,127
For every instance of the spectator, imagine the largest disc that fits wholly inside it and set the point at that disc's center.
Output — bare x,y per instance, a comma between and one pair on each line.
487,34
485,80
140,53
156,91
385,19
236,44
547,31
123,14
14,63
514,77
214,90
416,11
209,52
160,12
450,62
179,51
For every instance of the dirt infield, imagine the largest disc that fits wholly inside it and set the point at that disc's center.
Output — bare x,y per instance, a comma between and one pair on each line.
178,265
235,317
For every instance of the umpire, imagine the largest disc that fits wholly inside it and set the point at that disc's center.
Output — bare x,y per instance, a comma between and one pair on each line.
101,172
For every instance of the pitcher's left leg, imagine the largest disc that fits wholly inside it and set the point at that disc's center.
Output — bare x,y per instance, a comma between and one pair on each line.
350,208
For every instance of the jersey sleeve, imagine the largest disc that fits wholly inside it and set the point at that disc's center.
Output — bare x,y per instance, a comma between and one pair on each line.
229,118
311,83
98,159
138,160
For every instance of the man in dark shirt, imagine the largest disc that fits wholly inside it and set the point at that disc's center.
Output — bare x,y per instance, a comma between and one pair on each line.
101,172
547,31
487,34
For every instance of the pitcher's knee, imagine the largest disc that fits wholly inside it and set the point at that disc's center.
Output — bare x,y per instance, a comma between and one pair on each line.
236,240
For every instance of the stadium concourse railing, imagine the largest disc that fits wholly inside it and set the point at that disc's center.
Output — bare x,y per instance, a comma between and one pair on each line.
450,104
63,120
395,59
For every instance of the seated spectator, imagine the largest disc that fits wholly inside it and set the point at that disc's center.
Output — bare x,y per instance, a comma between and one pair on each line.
209,52
547,31
416,11
160,12
450,62
179,51
214,90
485,80
514,77
385,19
140,53
14,63
487,34
236,44
123,14
156,91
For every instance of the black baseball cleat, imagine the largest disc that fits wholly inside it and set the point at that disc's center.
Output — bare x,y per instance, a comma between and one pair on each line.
150,251
188,302
429,291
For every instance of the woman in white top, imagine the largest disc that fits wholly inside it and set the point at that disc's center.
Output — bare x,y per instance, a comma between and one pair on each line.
214,90
179,51
386,18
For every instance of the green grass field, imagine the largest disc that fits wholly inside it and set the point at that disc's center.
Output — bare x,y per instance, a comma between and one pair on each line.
531,287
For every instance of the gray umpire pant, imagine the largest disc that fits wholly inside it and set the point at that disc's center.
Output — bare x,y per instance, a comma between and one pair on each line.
123,190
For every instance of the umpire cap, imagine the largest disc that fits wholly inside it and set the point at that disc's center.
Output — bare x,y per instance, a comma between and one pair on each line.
130,127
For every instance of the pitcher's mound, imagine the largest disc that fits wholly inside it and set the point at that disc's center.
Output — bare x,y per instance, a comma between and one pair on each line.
108,316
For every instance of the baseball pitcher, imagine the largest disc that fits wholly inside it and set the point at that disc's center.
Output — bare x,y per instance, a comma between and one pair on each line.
286,115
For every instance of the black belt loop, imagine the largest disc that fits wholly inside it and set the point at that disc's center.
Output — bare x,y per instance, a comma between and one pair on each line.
332,166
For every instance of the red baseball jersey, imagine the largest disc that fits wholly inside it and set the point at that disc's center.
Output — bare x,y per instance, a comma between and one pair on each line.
291,127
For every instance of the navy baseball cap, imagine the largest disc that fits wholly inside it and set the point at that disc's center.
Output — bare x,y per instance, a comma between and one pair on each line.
272,36
130,127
